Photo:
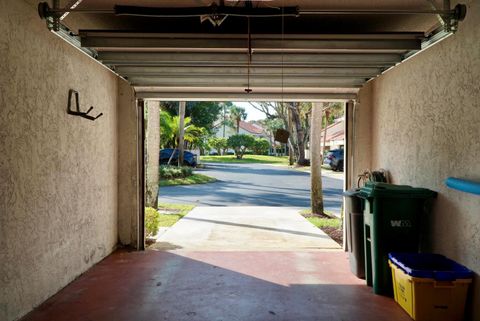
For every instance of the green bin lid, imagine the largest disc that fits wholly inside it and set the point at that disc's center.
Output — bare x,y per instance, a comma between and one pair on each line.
379,189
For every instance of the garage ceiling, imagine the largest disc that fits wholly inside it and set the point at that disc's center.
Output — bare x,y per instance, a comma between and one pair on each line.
306,57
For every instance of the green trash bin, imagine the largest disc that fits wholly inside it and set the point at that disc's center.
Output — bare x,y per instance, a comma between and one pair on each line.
393,217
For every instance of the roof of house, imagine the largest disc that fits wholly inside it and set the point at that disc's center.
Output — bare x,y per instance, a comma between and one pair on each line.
335,131
251,128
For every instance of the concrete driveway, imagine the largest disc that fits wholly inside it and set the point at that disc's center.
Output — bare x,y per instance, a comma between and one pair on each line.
254,185
244,228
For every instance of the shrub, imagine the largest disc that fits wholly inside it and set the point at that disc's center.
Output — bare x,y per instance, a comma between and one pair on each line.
186,171
261,146
171,172
219,143
152,221
240,143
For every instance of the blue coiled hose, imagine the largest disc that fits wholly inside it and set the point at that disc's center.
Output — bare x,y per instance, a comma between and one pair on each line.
463,185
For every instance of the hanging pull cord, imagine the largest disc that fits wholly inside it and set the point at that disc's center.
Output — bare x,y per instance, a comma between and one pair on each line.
283,52
248,89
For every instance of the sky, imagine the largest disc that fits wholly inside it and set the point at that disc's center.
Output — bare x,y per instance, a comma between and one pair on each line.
252,113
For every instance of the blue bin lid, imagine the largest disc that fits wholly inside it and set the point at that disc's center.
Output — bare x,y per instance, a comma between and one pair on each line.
431,266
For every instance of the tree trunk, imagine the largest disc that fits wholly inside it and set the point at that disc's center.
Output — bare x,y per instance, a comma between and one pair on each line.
297,122
153,153
224,119
316,159
290,138
238,126
327,112
181,134
274,145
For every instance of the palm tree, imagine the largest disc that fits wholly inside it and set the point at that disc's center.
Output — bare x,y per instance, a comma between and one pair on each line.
168,129
237,114
170,126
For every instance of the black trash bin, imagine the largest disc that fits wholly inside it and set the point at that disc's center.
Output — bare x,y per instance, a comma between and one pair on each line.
354,232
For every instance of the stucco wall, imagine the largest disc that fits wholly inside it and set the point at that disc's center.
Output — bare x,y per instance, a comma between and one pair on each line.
362,133
425,127
58,173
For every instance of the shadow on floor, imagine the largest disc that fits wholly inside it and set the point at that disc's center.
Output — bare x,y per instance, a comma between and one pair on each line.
256,227
214,286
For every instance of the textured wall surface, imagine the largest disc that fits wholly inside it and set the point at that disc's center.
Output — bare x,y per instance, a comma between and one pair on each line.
127,165
425,127
362,131
58,173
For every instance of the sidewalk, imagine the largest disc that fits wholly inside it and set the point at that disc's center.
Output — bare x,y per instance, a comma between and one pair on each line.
325,172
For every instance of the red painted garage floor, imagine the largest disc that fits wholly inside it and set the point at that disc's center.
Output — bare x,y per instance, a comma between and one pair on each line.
215,286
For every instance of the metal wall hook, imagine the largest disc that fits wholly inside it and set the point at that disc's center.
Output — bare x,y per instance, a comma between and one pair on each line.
77,112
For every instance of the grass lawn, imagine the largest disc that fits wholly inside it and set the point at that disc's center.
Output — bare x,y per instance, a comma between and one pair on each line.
330,224
175,212
261,159
190,180
308,213
321,222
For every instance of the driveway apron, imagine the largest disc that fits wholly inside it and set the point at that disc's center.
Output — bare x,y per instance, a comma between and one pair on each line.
247,228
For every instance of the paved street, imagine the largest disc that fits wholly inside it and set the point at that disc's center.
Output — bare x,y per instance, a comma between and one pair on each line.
254,185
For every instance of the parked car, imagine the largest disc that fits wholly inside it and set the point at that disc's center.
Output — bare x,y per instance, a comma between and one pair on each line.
189,159
334,159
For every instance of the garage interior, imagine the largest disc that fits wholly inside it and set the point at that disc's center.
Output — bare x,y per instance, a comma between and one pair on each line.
71,189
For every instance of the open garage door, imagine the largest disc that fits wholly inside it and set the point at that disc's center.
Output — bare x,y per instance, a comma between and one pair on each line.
265,66
253,50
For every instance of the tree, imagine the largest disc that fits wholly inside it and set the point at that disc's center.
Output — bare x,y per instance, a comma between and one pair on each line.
273,110
219,143
295,118
237,114
271,126
294,108
181,132
225,121
335,110
195,137
168,130
240,143
260,146
170,126
316,159
202,114
153,153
